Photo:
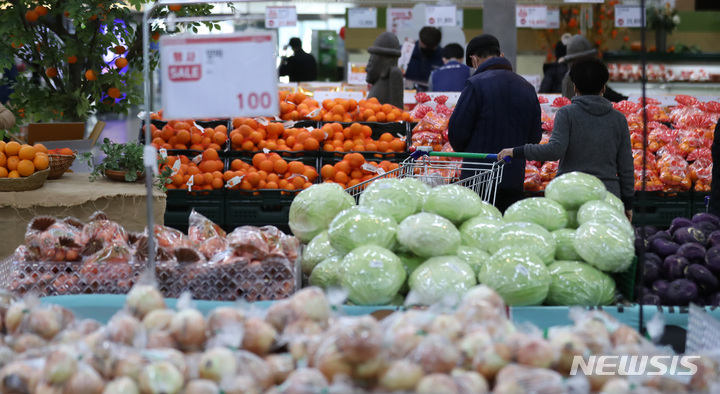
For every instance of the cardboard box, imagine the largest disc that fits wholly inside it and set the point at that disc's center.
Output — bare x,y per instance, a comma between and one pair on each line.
80,146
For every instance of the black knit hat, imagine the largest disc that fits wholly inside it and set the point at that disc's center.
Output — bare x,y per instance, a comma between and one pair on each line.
386,44
481,43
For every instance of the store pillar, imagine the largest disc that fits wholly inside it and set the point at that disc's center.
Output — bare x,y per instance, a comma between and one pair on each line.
499,20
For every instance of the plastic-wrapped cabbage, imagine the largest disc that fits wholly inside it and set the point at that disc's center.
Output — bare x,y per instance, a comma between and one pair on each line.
474,257
605,246
574,189
577,283
314,208
439,277
489,211
391,197
615,202
518,275
539,210
316,251
360,226
477,232
326,274
372,275
565,244
601,211
453,202
528,236
420,188
427,235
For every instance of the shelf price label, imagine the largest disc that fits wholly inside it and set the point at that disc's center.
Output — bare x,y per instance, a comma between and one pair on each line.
276,17
210,76
362,18
628,16
532,16
440,15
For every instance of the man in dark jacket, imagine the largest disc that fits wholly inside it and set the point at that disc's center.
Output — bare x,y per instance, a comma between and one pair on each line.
301,66
553,73
426,57
496,108
713,205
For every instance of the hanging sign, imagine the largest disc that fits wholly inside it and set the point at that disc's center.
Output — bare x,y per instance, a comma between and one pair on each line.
398,18
553,18
208,76
532,16
440,15
362,18
280,17
628,16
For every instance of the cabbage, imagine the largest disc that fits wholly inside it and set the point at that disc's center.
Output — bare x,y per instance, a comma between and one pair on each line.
615,202
420,188
518,275
565,247
453,202
316,251
439,277
427,235
605,246
410,262
474,257
372,275
577,283
574,189
314,208
478,231
528,236
326,274
539,210
360,226
601,211
390,197
488,210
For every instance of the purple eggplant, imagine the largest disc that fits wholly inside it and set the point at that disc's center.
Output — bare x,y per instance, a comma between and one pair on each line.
681,292
660,234
664,247
641,243
674,267
712,259
679,223
651,271
714,238
651,299
705,280
651,256
706,227
660,288
695,253
689,234
706,217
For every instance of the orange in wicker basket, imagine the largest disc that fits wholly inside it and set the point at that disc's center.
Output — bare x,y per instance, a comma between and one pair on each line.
59,164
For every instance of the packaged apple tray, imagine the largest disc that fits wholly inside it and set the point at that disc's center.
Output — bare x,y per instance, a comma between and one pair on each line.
251,263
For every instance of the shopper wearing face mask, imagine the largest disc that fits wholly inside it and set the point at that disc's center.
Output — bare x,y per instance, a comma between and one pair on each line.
426,57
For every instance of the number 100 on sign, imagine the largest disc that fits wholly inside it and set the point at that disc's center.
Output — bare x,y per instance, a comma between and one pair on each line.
218,76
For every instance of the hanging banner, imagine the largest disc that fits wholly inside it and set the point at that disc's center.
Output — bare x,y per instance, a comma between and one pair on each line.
280,17
440,15
532,16
362,18
398,18
553,18
628,16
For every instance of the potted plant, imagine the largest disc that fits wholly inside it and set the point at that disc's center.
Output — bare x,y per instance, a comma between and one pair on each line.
663,19
123,162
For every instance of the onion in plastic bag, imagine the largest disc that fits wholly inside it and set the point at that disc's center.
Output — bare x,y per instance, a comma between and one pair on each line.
390,197
578,283
372,275
359,226
529,236
478,231
420,188
565,244
326,274
518,275
605,246
453,202
439,277
574,189
314,208
539,210
316,251
427,235
474,257
601,211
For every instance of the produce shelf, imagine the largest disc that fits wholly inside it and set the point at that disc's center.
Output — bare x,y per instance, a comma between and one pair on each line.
659,208
258,208
180,203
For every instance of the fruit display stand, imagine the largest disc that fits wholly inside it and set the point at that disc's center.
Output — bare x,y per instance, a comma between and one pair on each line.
75,195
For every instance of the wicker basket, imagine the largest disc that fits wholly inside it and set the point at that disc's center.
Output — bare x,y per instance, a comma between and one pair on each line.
59,164
34,181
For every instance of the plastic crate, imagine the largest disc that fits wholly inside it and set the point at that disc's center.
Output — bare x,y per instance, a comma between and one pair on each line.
659,209
180,203
397,129
698,204
258,208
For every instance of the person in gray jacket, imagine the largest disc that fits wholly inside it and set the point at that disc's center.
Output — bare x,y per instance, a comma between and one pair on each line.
589,135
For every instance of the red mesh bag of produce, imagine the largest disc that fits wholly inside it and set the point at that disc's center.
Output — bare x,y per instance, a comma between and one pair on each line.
626,107
548,170
432,123
653,181
650,160
561,102
533,182
673,171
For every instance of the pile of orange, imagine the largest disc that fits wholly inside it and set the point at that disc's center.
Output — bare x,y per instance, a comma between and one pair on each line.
270,172
184,134
207,175
371,110
297,106
356,137
22,160
351,170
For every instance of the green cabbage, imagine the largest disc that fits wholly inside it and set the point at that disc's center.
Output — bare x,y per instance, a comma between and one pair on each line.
314,208
372,275
427,235
420,188
565,244
605,246
574,189
391,197
474,257
518,275
539,210
359,226
316,251
326,274
601,211
577,283
453,202
439,277
615,202
488,210
477,232
529,236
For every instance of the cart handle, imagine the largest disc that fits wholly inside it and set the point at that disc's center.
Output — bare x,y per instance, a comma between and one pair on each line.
492,156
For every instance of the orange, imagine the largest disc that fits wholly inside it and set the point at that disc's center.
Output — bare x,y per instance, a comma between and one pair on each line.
397,145
296,167
12,148
220,137
183,137
266,166
114,92
175,7
121,62
31,16
3,159
14,174
25,168
217,183
342,166
271,185
275,129
66,151
198,180
280,166
2,146
3,172
327,171
341,177
41,10
51,72
298,182
356,160
27,152
210,154
41,162
90,75
119,49
253,178
311,144
40,148
310,174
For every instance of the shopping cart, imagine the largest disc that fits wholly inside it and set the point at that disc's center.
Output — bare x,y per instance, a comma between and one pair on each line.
429,167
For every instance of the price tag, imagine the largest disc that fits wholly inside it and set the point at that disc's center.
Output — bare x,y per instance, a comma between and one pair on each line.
628,16
398,18
376,264
176,167
314,113
532,16
163,153
380,171
440,15
262,121
234,181
280,17
369,167
357,74
362,18
190,183
266,151
553,18
222,69
197,159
